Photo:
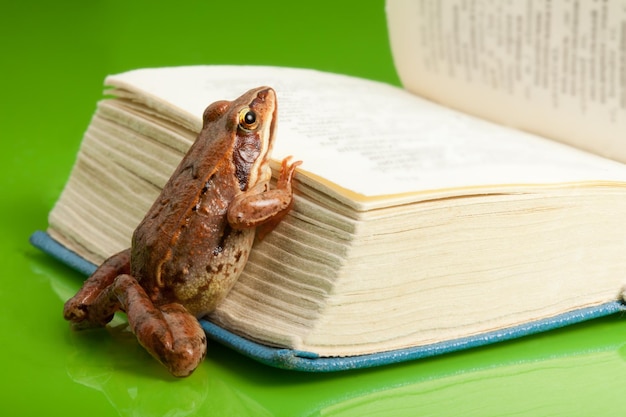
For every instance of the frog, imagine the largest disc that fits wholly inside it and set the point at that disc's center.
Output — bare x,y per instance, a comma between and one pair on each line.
194,241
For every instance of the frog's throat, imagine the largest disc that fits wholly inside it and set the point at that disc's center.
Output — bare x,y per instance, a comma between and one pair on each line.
260,170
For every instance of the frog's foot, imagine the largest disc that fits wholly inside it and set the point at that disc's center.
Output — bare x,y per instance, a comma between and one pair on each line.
169,332
182,355
263,208
282,193
83,310
287,170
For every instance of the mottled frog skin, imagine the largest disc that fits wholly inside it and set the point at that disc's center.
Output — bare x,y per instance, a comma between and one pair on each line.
193,243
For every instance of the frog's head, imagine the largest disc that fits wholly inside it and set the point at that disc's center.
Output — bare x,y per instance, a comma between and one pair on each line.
250,122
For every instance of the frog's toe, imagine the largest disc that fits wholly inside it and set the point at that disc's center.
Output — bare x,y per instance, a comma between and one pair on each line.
184,360
85,324
74,314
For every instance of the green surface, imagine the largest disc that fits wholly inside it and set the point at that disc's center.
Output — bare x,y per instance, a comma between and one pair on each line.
55,56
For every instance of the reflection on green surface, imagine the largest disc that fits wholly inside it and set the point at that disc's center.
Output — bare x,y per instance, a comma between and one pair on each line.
499,391
113,363
505,379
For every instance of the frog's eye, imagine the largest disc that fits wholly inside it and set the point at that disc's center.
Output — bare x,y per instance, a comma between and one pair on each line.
248,119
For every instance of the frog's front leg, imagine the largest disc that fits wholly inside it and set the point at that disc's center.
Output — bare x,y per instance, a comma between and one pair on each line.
168,332
262,207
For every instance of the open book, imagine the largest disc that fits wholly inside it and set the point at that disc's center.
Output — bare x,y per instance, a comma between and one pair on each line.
417,229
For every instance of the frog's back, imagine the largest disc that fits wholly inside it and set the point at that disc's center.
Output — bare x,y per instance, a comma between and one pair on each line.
196,262
167,221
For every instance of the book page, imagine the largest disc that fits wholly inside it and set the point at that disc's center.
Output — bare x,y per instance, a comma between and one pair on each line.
552,67
371,138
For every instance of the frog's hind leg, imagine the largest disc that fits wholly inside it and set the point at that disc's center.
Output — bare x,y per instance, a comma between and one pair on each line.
79,309
169,332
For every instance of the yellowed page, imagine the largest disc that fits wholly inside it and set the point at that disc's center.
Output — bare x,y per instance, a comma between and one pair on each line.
556,68
371,138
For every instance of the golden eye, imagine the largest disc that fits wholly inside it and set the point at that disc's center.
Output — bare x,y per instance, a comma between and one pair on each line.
248,119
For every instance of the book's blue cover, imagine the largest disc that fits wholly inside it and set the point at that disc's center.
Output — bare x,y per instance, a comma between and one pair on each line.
311,362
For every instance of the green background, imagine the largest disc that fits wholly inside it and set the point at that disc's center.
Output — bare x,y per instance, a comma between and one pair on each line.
54,58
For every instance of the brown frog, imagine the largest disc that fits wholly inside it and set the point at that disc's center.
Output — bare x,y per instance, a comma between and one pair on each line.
194,241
